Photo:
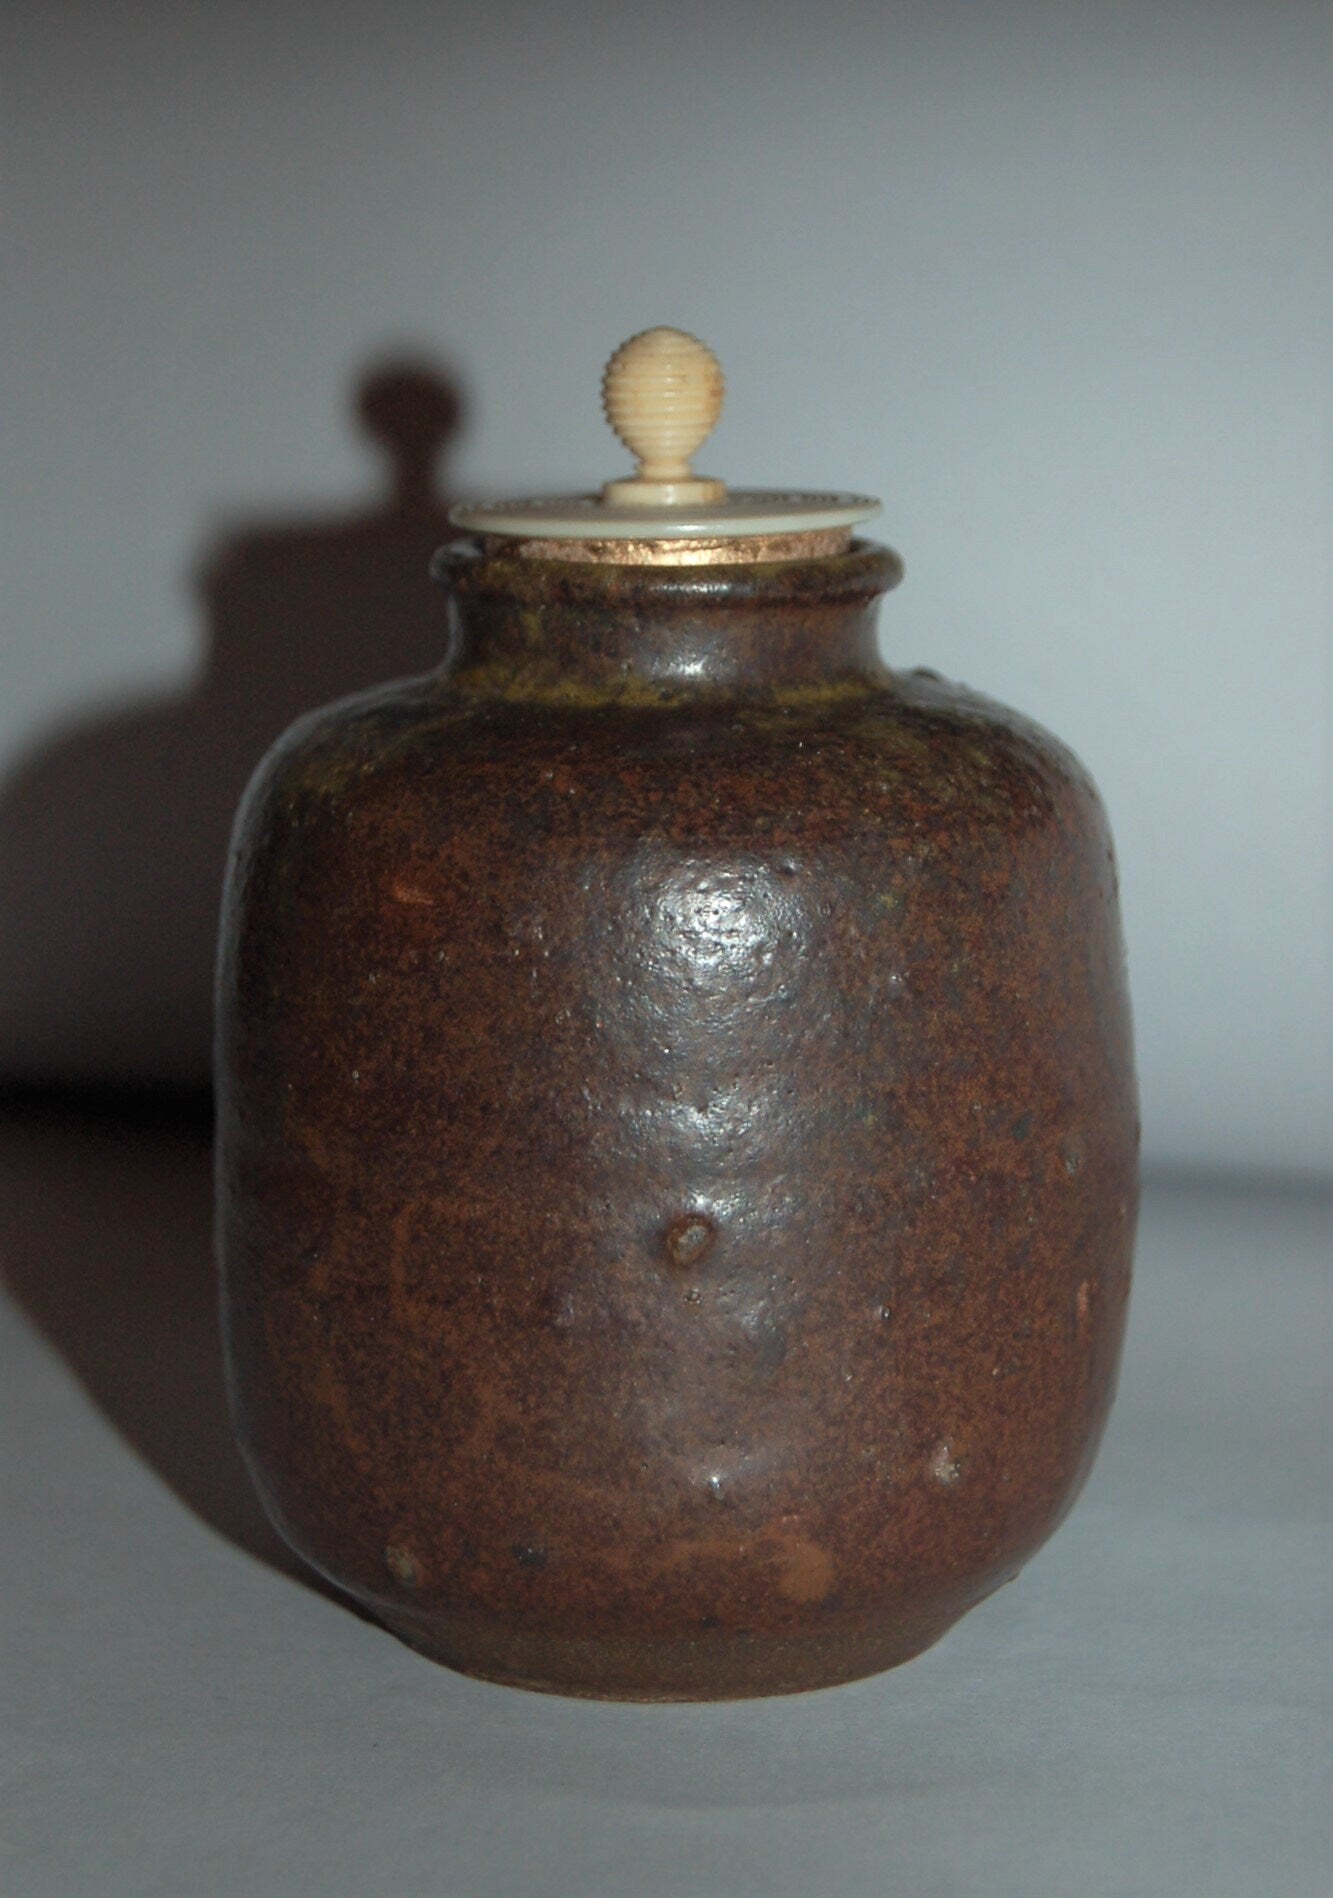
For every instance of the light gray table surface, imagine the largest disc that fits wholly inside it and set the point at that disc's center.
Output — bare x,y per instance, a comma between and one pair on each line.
1145,1710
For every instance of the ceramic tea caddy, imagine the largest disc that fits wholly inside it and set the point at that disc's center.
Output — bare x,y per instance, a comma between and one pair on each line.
677,1131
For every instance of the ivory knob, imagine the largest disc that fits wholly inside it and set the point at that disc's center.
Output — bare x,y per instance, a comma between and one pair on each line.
662,394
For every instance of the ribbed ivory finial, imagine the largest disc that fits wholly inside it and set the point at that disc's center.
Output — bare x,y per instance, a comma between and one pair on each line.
662,393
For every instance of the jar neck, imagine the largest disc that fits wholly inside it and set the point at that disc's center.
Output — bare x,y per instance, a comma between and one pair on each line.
528,627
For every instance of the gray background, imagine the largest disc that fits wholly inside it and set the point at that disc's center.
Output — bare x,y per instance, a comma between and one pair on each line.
1053,279
1050,278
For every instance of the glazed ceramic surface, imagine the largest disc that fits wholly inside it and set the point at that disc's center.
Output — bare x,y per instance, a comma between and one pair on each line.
676,1134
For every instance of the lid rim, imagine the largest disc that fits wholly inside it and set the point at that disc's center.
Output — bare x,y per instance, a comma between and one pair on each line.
742,514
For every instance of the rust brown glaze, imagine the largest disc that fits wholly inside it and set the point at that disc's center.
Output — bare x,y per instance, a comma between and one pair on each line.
677,1134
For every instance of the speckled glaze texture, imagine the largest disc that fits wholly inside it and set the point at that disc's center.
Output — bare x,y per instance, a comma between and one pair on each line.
677,1134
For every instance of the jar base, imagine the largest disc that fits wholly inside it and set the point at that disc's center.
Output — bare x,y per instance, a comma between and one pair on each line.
708,1666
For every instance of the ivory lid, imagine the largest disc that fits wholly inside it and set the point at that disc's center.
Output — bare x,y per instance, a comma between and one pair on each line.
662,394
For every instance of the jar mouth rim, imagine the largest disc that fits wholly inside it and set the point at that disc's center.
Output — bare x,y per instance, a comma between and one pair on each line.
864,570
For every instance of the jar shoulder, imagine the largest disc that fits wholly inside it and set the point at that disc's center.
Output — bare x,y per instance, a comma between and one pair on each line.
917,753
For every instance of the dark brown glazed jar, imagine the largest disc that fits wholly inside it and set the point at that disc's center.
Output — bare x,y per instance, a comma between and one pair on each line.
677,1132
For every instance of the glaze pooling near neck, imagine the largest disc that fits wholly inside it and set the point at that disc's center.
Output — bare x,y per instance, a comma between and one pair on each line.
534,628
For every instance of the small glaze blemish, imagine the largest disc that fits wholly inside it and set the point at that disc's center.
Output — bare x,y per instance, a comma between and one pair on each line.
689,1239
806,1574
404,891
562,1309
944,1465
402,1565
